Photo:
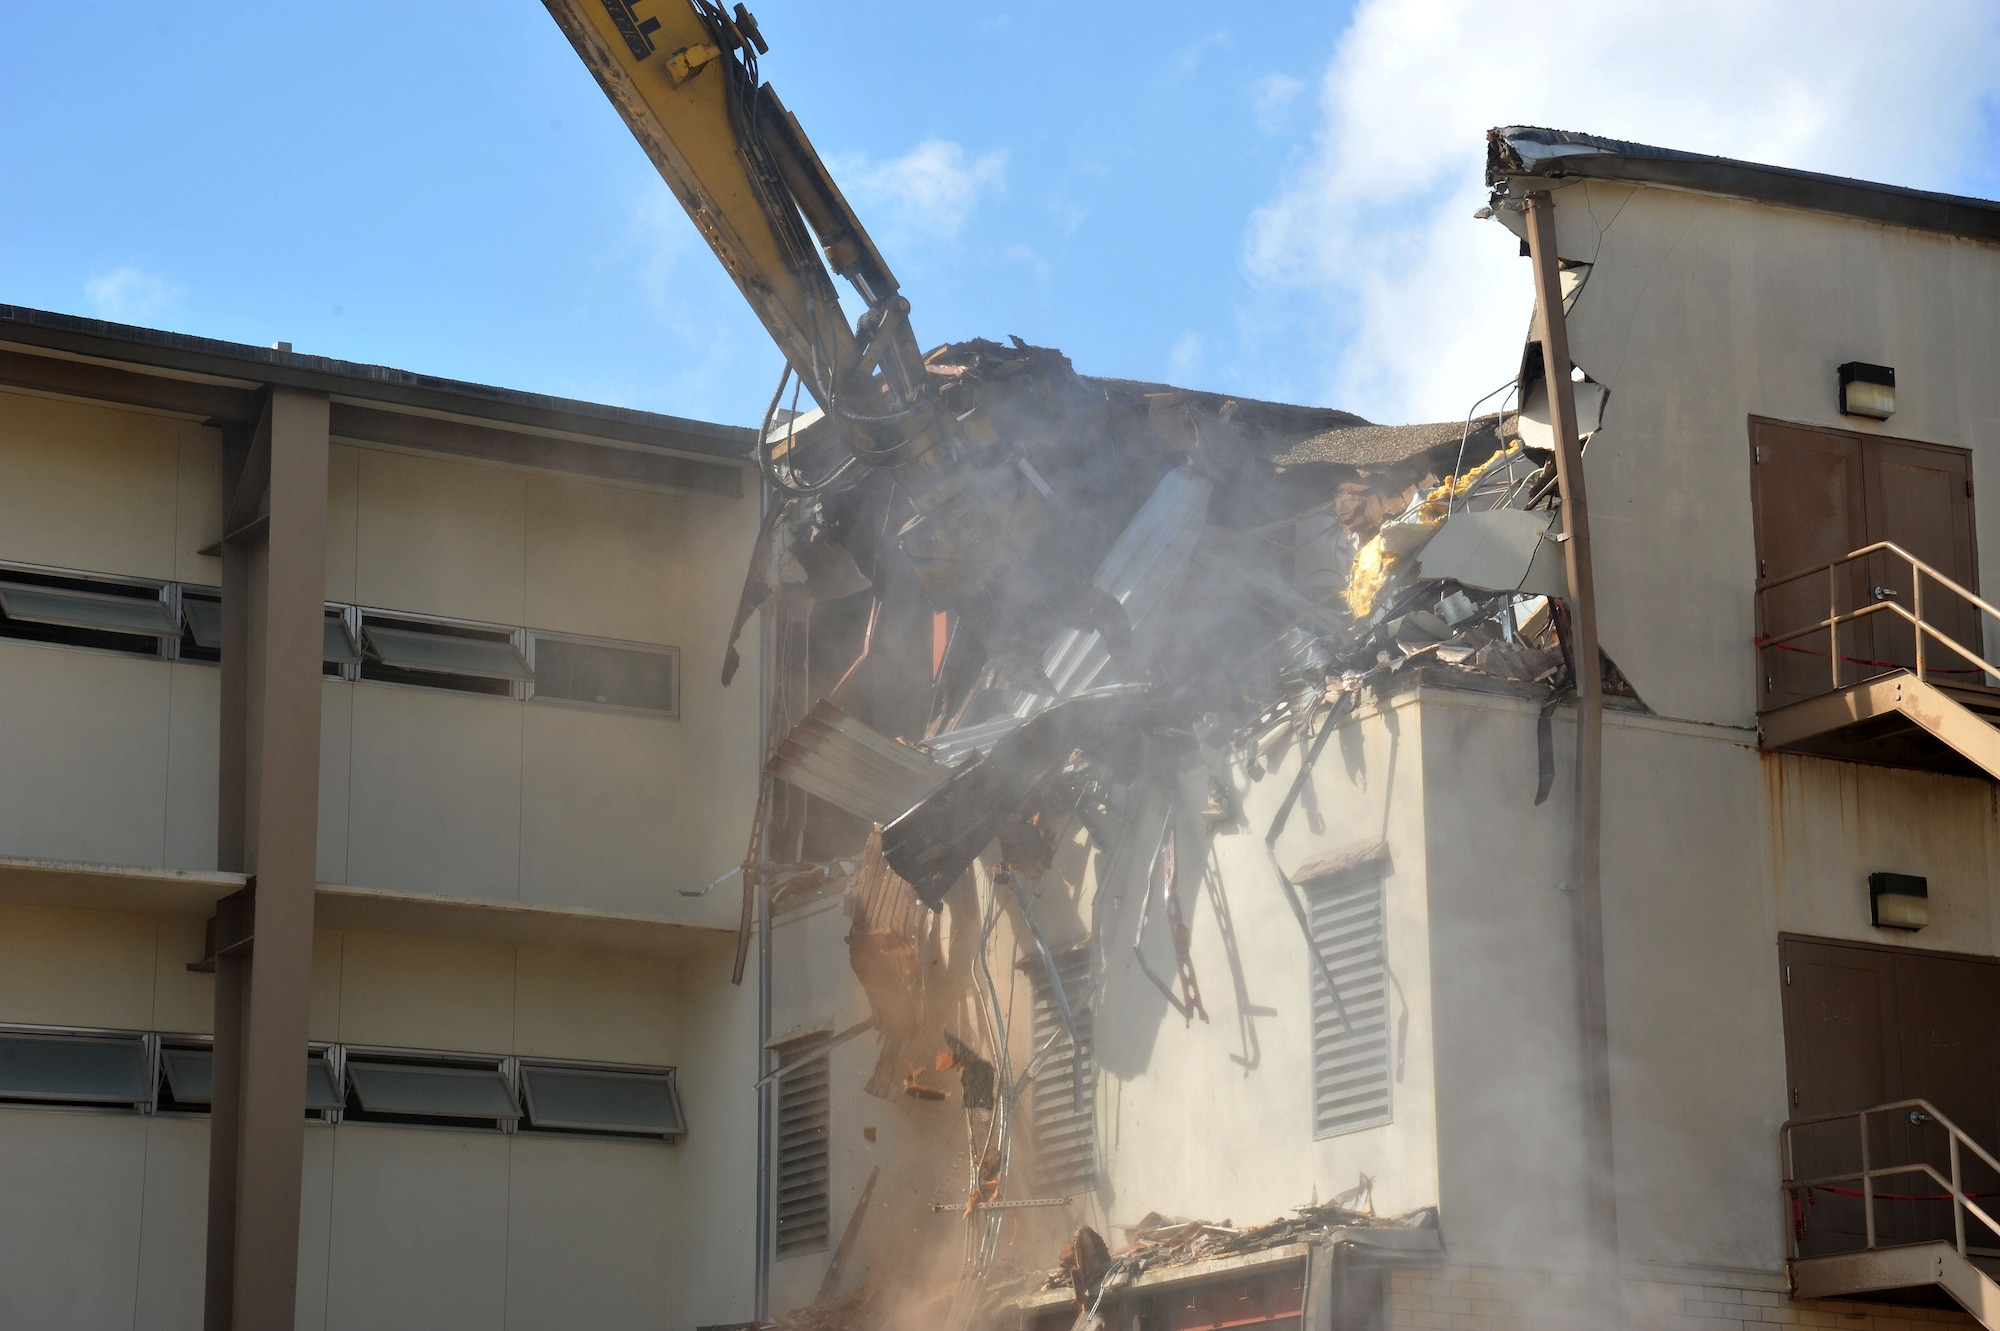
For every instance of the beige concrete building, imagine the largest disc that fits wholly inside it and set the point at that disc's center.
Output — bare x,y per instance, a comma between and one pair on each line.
528,1078
529,1093
1798,865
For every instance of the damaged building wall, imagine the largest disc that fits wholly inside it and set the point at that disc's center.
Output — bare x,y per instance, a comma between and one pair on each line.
1452,775
1696,313
1689,971
1216,1119
1209,1118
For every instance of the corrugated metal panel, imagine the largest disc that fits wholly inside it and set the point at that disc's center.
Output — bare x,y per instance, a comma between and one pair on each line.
802,1159
1143,570
952,746
1065,1137
854,766
1351,1057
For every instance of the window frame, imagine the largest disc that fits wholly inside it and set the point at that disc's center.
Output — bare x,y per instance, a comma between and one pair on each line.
615,644
529,1127
149,1047
353,1111
165,648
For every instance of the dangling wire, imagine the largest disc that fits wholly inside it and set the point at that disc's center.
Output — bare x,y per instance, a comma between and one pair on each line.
1466,434
769,464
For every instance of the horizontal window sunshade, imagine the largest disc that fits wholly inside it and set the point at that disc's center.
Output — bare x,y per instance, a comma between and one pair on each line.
602,1101
396,1088
446,654
191,1077
87,610
77,1069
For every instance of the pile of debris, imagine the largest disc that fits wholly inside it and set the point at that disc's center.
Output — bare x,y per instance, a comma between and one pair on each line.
1085,597
1188,568
1086,1266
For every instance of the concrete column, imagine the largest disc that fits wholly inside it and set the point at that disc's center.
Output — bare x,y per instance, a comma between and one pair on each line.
273,611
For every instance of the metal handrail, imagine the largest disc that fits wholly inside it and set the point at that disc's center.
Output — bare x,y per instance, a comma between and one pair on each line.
1914,616
1961,1202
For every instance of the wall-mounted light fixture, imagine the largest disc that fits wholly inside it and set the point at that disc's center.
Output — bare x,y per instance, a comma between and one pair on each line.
1867,390
1899,900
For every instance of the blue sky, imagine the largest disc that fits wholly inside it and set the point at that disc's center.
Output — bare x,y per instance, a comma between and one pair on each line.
1271,201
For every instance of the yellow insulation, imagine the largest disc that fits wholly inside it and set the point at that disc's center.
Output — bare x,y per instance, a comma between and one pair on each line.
1406,534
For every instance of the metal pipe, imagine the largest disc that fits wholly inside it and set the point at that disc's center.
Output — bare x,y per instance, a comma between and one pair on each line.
1601,1184
867,645
765,1090
1957,1199
767,684
1867,1180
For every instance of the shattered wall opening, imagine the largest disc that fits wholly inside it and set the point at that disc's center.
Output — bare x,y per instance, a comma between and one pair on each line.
996,769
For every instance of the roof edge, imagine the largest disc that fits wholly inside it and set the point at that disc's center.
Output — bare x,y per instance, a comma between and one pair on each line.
1527,150
185,353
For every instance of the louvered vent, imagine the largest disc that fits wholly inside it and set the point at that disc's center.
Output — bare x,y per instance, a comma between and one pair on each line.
1351,1057
1065,1136
802,1158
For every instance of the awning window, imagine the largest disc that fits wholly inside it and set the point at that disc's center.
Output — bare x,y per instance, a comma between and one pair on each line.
407,1090
73,1069
204,621
591,672
190,1076
104,613
340,649
410,648
603,1100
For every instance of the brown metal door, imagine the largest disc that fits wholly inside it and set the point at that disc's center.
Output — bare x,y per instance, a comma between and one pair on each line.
1840,1054
1920,497
1867,1026
1806,495
1949,1034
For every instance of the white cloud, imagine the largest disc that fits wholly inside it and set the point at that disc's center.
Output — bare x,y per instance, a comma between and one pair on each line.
929,191
1192,55
1272,98
1370,249
1184,360
127,294
1031,259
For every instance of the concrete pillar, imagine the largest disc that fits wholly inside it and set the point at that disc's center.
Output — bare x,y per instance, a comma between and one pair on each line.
273,612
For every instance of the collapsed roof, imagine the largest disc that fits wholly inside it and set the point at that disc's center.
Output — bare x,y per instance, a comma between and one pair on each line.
1187,579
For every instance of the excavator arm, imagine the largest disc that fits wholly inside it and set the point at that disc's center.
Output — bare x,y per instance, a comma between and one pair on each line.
969,452
683,74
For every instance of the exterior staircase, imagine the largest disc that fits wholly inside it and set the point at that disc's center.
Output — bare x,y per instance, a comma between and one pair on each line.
1907,715
1892,1259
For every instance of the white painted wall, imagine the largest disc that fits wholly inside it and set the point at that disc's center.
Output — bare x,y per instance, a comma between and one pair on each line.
112,759
1699,312
400,1227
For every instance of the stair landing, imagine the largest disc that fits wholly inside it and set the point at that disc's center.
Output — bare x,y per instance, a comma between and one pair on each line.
1894,720
1902,1275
